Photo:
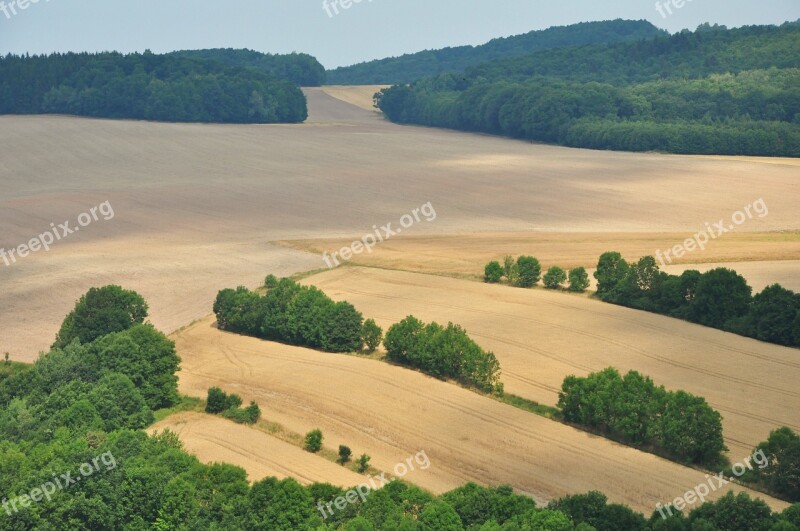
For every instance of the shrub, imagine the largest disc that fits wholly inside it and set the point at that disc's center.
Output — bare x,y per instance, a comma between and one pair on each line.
247,415
313,442
578,280
271,281
344,454
371,335
493,272
554,277
216,401
529,271
510,270
363,463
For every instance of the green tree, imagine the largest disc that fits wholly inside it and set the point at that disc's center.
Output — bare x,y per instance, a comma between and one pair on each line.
493,272
529,271
510,270
343,329
371,335
578,280
313,441
611,270
554,278
439,516
772,315
271,281
344,453
216,401
363,463
734,512
99,312
722,295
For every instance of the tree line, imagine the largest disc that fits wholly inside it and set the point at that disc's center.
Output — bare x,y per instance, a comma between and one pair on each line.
719,298
298,68
410,67
146,87
526,272
712,91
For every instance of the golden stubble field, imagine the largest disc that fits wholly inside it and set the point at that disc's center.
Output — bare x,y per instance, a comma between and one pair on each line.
391,413
197,206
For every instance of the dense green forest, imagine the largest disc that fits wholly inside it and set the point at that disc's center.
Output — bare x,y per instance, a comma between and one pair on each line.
146,87
410,67
73,456
712,91
298,68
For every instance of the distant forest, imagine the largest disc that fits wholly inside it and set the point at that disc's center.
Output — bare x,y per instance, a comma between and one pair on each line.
298,68
410,67
147,87
712,91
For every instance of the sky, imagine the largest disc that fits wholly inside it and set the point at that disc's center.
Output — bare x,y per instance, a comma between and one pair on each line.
367,29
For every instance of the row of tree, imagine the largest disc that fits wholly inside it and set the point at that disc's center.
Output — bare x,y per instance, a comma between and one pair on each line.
712,91
633,410
146,87
443,352
526,272
719,298
298,68
410,67
295,314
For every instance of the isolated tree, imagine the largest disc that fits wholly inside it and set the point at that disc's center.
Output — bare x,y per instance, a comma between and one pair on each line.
344,454
611,270
99,312
363,463
313,442
216,401
554,278
529,271
493,272
371,335
578,280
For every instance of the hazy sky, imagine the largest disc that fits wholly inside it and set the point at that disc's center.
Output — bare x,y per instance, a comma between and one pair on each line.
366,30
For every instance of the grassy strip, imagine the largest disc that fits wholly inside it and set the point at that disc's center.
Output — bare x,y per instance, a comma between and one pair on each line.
528,405
186,403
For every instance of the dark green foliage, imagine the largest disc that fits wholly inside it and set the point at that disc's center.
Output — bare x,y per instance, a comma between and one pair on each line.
708,92
297,68
771,317
722,295
291,313
410,67
371,335
439,516
247,415
216,401
631,409
119,403
611,270
99,312
271,281
313,441
344,453
782,475
734,512
442,352
554,278
493,272
578,280
529,271
593,509
146,87
363,463
475,504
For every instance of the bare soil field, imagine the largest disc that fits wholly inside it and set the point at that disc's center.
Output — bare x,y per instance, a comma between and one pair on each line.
392,413
218,440
196,206
540,336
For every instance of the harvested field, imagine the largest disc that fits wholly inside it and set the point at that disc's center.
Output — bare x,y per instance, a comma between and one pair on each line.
391,413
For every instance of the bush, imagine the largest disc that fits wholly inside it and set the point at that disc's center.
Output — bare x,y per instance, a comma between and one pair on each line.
510,270
247,415
313,441
371,335
578,280
493,272
529,271
344,454
216,401
554,277
271,281
363,463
